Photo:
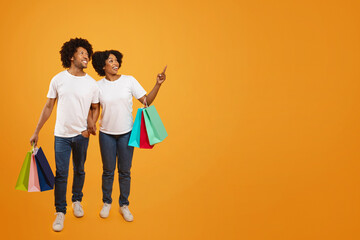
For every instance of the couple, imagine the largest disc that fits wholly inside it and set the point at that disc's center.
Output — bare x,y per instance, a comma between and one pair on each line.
79,98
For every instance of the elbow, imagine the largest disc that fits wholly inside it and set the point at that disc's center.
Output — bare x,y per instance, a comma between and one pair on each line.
49,106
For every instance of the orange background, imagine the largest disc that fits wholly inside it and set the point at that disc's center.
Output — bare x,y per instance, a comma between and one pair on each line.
261,104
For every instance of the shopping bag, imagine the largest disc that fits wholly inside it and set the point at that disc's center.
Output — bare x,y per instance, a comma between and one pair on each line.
134,140
45,168
23,179
144,140
44,186
155,128
34,185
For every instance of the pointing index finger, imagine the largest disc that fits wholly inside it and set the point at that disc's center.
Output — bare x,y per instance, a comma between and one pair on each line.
164,69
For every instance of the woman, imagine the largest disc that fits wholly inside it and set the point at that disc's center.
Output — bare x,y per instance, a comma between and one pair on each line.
116,93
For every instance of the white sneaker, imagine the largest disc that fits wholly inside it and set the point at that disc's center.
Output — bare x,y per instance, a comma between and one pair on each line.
58,224
77,209
104,213
126,213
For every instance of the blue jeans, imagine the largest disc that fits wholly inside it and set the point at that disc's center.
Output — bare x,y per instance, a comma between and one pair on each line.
113,146
63,147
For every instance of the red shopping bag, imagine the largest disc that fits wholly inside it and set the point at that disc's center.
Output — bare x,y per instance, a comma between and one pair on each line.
144,139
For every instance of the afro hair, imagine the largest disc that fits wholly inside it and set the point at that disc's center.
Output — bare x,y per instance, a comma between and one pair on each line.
69,49
99,59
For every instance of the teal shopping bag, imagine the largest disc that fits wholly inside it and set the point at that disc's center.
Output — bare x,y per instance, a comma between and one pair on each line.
155,128
135,133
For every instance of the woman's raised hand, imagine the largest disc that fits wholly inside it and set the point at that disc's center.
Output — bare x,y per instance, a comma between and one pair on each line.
161,77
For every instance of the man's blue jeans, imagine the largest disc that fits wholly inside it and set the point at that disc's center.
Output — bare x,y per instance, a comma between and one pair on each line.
63,147
112,146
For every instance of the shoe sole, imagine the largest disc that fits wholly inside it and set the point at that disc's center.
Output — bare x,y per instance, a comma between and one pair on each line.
78,216
103,216
55,230
125,218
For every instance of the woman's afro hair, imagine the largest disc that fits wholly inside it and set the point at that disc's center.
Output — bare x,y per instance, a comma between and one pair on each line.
69,49
99,59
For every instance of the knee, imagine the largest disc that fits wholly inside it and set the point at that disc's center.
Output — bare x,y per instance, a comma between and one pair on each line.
79,172
61,175
108,169
79,169
124,173
108,172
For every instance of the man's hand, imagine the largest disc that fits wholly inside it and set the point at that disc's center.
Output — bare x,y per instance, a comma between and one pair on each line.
85,134
34,139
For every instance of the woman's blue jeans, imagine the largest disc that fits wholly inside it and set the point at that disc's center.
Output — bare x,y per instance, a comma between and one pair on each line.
63,147
112,147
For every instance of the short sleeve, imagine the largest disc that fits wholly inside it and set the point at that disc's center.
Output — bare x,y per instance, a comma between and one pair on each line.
95,98
52,89
136,89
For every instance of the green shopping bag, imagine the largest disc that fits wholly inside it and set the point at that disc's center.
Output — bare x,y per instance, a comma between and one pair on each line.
23,179
154,126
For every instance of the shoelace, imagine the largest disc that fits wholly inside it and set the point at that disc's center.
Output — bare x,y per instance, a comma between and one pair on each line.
126,209
77,206
59,218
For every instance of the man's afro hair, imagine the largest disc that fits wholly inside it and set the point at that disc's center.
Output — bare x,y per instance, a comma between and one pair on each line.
69,49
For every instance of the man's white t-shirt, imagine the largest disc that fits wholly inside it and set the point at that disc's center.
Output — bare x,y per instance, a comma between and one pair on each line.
116,103
74,95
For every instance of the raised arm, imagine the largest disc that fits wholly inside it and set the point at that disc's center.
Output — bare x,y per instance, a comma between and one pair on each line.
45,114
152,95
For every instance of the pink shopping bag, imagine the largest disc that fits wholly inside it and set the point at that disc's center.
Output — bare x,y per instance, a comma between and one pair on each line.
34,185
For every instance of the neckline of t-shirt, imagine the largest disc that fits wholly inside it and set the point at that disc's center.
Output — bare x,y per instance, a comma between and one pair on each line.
108,81
67,72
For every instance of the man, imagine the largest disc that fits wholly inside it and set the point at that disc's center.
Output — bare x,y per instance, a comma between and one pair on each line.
76,93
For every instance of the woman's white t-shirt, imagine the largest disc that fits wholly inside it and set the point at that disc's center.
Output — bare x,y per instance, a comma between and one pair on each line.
75,95
116,103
